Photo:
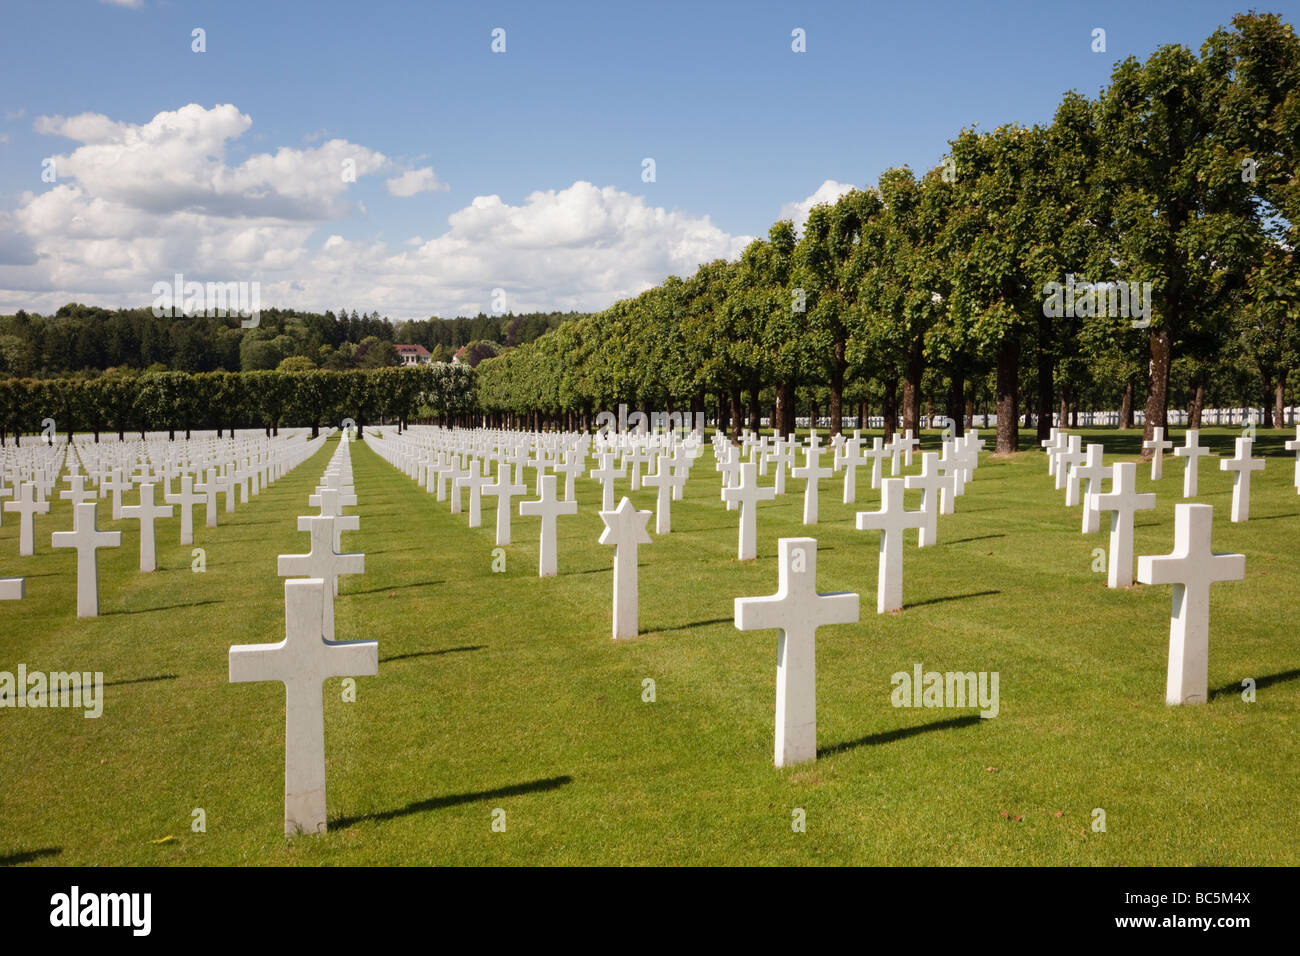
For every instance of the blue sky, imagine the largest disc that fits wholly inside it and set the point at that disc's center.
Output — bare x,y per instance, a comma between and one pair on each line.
740,128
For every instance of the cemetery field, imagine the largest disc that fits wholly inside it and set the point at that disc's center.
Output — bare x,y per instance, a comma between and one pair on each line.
503,691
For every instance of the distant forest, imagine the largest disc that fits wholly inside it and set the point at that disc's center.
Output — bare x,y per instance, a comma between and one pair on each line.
84,341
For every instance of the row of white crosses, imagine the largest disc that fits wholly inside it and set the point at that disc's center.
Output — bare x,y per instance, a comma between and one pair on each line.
309,655
1191,567
87,539
565,454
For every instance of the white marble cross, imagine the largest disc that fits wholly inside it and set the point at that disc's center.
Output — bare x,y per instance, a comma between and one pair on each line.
891,521
146,512
27,506
1191,568
931,484
116,483
634,458
209,489
813,471
1052,445
1157,445
573,465
907,444
323,562
1292,445
87,539
606,474
548,508
747,493
1094,470
303,661
1069,456
455,472
853,459
475,481
1192,450
6,492
782,455
186,499
1122,502
78,492
876,454
503,490
662,481
797,610
625,530
1241,465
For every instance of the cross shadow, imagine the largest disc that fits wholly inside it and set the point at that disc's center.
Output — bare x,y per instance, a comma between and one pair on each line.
951,597
455,799
390,587
140,680
686,627
392,550
982,537
166,607
17,859
1292,514
1260,683
889,736
446,650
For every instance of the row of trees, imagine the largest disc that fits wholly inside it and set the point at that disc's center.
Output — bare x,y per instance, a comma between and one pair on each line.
928,291
182,401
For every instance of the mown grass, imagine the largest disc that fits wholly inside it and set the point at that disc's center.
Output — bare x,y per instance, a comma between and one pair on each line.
500,690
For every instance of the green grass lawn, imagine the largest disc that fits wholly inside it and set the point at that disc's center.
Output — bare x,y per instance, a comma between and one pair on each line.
501,690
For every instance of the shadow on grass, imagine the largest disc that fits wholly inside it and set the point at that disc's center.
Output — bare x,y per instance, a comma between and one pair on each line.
140,680
166,607
445,650
605,570
981,537
951,597
889,736
16,859
1292,514
687,627
455,799
1260,683
391,587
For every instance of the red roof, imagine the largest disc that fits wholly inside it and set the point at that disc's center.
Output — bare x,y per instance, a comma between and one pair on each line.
419,350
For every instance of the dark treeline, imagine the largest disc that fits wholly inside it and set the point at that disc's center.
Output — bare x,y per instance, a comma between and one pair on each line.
86,340
123,402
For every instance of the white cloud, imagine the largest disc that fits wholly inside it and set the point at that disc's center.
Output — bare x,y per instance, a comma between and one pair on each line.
15,114
415,181
829,191
133,4
136,203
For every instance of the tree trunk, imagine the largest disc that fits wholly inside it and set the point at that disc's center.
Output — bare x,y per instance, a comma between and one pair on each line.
889,409
1267,404
1046,373
1126,408
956,408
754,416
735,412
912,390
1279,400
837,391
1158,390
784,423
1008,396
